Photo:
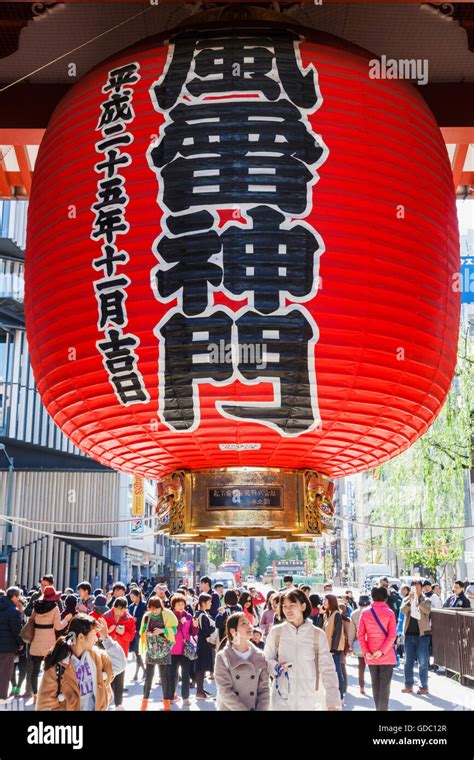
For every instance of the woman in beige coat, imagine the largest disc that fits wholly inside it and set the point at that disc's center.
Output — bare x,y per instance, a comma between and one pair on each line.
240,670
47,619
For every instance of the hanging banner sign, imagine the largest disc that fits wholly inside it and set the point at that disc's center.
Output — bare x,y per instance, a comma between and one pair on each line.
138,495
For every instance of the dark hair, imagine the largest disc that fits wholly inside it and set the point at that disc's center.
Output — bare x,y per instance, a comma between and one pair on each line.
98,592
383,578
13,591
70,604
315,600
379,594
155,602
244,598
204,598
405,586
231,625
268,602
118,585
304,588
85,586
333,604
230,598
206,579
294,595
287,579
137,592
459,583
257,630
219,583
177,598
82,623
120,601
49,578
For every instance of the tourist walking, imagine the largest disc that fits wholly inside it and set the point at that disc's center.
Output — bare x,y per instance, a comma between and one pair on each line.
377,633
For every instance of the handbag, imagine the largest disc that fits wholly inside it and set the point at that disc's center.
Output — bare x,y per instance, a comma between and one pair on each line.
190,649
27,633
158,646
385,632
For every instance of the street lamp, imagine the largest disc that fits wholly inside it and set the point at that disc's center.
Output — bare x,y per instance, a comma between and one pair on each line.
8,526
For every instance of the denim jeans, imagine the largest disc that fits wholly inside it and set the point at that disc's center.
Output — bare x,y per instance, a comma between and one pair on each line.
340,676
417,647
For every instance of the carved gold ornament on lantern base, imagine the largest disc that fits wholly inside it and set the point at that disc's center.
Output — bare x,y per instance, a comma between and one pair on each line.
246,501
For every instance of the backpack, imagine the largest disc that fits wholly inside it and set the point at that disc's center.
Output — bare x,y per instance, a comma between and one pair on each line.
315,645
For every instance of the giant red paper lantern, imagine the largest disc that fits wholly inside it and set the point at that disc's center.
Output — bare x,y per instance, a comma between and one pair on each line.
204,235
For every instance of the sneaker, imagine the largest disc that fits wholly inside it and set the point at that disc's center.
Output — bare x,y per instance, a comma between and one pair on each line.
166,705
144,705
422,691
135,678
202,695
407,690
362,691
119,707
186,702
175,698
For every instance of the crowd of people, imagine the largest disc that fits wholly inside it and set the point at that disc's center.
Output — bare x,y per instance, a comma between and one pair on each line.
287,650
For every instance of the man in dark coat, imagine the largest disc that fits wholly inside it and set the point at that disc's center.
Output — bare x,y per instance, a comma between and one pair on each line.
10,642
458,599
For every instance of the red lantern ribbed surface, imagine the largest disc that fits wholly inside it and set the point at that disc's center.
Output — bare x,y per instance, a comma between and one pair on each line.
382,206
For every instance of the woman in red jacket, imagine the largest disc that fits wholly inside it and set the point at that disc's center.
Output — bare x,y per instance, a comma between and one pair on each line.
377,633
121,626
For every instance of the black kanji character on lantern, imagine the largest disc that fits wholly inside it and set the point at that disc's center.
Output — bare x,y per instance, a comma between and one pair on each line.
111,257
111,298
234,64
286,358
124,138
254,153
110,193
120,360
263,261
192,272
186,346
112,159
118,108
109,223
122,76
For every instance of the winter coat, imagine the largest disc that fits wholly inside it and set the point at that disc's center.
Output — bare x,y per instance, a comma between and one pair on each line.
241,684
266,621
372,638
184,632
108,662
137,612
46,614
215,604
455,601
205,652
10,626
129,624
424,623
222,617
170,622
298,646
334,629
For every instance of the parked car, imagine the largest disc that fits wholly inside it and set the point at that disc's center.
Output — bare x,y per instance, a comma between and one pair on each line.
373,579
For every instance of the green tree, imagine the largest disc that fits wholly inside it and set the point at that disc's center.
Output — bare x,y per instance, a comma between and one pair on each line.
216,552
262,561
424,486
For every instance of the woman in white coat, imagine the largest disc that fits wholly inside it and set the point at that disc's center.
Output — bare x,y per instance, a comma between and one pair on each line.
299,661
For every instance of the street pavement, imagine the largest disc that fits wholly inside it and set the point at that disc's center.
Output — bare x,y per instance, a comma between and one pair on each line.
445,694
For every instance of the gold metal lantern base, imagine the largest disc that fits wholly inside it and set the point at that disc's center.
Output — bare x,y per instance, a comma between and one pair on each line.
198,505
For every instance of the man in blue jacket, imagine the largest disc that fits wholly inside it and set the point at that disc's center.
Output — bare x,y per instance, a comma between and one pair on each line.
10,642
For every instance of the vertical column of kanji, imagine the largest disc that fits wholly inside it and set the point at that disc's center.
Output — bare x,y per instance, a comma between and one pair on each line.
237,135
118,354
